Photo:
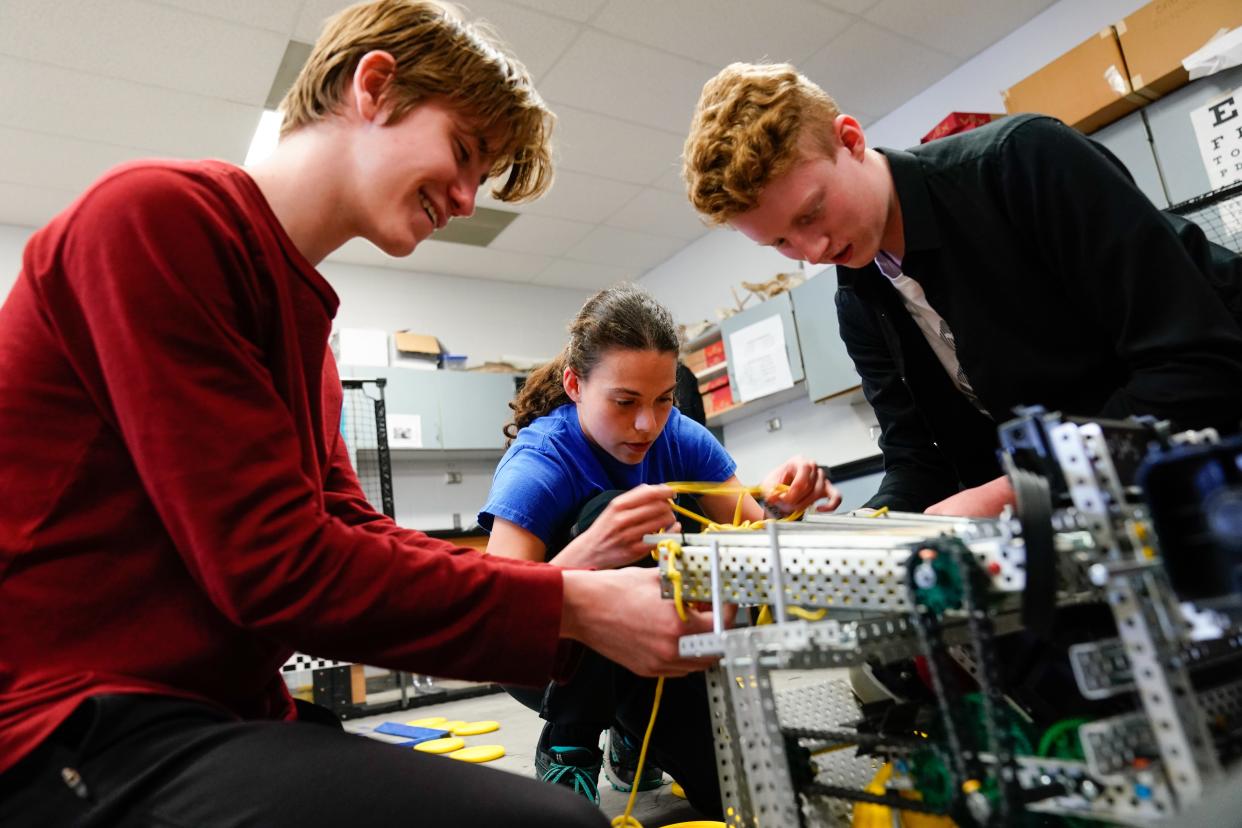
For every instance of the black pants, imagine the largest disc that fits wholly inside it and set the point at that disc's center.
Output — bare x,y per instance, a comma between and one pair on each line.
124,761
601,694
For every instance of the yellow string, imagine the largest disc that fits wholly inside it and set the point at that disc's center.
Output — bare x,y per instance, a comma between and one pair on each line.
672,551
625,820
683,487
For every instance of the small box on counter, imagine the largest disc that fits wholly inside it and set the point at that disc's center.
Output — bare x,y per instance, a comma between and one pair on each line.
695,360
415,350
713,383
700,359
719,399
1087,87
956,122
1159,36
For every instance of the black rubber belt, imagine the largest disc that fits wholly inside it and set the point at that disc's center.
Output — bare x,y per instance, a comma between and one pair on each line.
1034,506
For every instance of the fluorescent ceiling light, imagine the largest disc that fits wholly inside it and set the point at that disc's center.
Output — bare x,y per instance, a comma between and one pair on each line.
265,137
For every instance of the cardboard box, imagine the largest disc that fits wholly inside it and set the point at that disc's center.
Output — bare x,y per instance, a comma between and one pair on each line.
700,359
695,360
718,400
956,122
713,383
1087,87
1158,37
415,350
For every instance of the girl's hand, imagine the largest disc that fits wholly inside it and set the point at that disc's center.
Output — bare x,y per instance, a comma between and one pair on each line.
616,537
807,484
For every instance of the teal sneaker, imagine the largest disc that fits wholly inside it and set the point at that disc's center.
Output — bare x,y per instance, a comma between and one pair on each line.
577,768
622,753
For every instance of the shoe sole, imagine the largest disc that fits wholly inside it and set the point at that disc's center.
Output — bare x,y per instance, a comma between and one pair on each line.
618,785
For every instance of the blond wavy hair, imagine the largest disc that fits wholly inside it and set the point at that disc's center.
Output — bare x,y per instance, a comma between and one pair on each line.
746,132
439,55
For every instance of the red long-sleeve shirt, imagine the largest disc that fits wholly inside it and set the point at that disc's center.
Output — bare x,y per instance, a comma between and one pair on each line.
177,511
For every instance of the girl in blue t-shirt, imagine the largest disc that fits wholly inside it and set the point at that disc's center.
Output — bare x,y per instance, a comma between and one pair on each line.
594,434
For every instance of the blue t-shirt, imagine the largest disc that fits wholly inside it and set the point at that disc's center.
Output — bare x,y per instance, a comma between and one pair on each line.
552,470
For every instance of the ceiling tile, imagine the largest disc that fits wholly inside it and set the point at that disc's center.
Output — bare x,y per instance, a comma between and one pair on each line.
591,143
719,32
636,83
581,197
28,206
671,180
850,6
536,39
661,213
960,27
451,259
39,160
857,68
579,10
313,15
274,15
624,248
583,276
146,43
541,235
156,121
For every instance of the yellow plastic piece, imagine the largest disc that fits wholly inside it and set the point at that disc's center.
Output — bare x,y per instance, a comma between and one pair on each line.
677,790
451,725
867,815
448,745
697,823
476,728
970,786
430,721
478,753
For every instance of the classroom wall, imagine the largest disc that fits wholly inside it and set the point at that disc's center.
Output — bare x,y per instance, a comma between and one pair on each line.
12,240
697,280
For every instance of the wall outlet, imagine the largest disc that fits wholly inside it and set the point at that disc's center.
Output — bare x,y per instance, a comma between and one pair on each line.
452,477
774,424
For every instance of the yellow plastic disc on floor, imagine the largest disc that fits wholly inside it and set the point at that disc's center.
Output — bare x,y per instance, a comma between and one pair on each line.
698,823
430,721
451,724
475,728
677,790
441,745
478,753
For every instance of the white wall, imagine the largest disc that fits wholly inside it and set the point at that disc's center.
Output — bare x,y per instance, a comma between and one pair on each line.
12,240
477,317
696,281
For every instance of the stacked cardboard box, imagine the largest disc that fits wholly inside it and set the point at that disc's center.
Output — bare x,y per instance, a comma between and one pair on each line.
1158,37
1125,66
1087,87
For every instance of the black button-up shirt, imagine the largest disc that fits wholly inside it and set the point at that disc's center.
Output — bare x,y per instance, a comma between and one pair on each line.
1064,287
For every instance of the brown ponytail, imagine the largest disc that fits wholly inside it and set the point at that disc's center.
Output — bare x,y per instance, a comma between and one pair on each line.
622,316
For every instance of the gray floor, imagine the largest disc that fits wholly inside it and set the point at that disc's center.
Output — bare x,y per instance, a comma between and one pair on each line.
519,730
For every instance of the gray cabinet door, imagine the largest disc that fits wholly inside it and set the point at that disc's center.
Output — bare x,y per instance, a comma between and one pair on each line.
474,408
829,369
776,306
411,392
1177,151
